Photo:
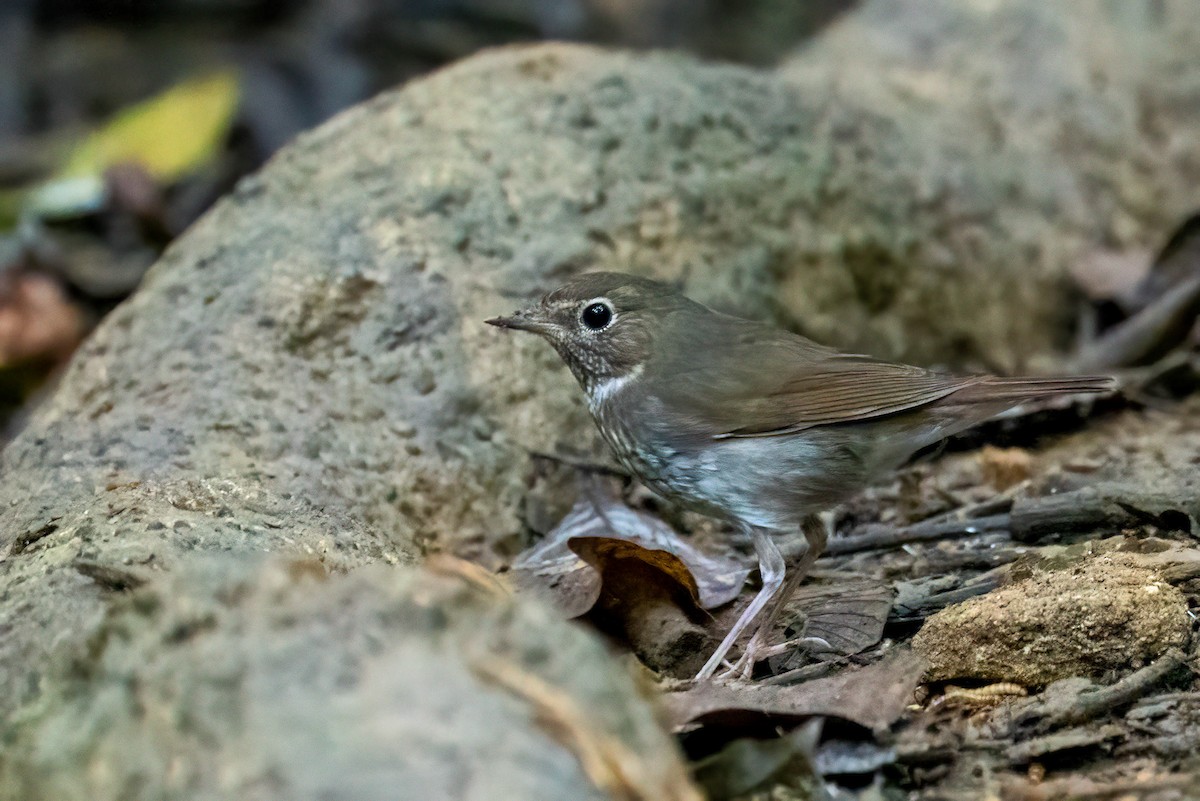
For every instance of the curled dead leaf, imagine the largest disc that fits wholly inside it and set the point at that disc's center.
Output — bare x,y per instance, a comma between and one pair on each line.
568,564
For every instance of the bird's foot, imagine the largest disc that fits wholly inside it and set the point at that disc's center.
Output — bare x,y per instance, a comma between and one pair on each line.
757,650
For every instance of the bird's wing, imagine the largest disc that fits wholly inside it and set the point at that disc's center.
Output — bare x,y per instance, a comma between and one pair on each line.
843,391
770,385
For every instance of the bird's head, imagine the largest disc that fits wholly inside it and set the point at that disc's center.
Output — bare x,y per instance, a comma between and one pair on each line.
603,325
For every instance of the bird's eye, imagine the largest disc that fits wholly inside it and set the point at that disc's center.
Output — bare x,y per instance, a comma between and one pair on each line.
597,316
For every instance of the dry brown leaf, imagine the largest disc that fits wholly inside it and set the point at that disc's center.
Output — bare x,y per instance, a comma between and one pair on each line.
873,697
37,320
568,563
850,616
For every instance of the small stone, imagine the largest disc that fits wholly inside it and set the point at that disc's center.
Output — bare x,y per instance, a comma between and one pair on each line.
1099,615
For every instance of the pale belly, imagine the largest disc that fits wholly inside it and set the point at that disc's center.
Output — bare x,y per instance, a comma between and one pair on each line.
765,482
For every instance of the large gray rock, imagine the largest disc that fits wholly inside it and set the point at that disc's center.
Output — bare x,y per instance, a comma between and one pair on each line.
306,371
235,678
1012,141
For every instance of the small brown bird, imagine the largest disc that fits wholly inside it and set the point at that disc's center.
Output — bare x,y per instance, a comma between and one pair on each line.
749,423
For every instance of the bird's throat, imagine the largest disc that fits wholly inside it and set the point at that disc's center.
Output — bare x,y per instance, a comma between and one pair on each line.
602,389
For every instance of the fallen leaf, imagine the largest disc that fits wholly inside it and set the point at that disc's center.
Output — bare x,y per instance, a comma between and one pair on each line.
169,136
568,563
850,616
873,697
646,609
117,578
37,320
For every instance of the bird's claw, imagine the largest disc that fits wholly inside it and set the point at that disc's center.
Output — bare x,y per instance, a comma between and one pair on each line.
756,651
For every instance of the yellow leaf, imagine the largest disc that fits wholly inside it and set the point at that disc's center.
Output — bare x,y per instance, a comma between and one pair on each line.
170,135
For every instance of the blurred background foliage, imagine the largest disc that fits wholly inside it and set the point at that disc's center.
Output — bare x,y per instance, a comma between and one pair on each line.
121,121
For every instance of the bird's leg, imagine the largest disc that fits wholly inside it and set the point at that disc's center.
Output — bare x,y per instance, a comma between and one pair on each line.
770,565
816,535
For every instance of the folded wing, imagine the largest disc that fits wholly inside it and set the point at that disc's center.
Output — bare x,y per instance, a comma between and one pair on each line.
769,383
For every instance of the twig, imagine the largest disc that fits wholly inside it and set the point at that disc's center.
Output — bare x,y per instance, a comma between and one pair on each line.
802,674
1087,509
1023,752
881,536
1100,508
579,466
611,765
1148,335
921,608
1095,703
1080,788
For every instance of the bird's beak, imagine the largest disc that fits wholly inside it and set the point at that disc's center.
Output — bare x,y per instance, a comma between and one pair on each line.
524,320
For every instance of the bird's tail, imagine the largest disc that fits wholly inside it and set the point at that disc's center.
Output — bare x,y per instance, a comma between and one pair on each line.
1017,390
985,398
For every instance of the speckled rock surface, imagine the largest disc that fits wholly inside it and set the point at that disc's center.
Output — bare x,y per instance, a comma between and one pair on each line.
1013,140
1098,616
239,678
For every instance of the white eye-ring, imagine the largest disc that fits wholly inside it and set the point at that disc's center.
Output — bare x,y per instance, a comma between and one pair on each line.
597,314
